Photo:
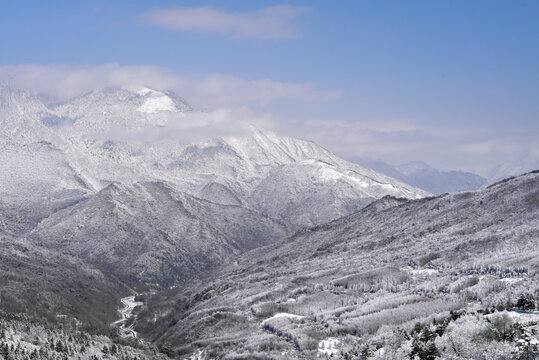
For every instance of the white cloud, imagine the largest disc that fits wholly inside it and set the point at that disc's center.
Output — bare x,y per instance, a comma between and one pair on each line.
213,90
270,23
230,111
196,127
490,152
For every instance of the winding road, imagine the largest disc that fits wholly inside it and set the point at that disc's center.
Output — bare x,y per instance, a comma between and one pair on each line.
126,312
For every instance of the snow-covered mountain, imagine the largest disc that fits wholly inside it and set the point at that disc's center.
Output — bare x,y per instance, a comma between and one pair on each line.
100,111
82,178
20,113
83,145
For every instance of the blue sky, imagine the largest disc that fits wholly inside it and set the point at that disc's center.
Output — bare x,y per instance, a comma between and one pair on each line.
459,75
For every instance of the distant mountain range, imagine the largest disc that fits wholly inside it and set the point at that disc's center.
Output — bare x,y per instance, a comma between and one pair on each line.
423,176
515,167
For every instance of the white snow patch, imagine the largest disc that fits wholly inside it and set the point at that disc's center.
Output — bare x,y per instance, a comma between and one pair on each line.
329,346
285,315
519,316
532,341
523,316
156,101
153,105
328,174
197,356
389,187
141,91
424,272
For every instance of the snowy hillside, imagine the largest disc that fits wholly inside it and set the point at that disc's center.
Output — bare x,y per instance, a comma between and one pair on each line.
368,279
151,233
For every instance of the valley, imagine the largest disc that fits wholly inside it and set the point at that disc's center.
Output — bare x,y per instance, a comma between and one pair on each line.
258,246
361,279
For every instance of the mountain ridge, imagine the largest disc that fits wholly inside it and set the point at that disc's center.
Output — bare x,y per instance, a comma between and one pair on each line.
80,134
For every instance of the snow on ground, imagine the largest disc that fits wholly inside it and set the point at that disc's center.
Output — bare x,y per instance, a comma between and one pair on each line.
285,315
329,173
329,347
524,317
528,319
422,272
199,355
380,352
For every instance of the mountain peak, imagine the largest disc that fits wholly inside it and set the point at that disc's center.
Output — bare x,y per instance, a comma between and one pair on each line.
414,167
128,108
156,101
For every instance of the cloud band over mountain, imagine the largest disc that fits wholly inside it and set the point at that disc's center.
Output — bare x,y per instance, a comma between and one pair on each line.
230,102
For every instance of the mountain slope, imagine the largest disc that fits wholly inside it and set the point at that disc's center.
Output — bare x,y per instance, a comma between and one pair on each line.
392,264
313,192
44,283
19,112
152,233
36,179
282,177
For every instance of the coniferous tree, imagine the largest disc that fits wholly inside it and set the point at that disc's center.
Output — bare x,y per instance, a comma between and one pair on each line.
5,350
431,351
59,346
365,352
526,302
